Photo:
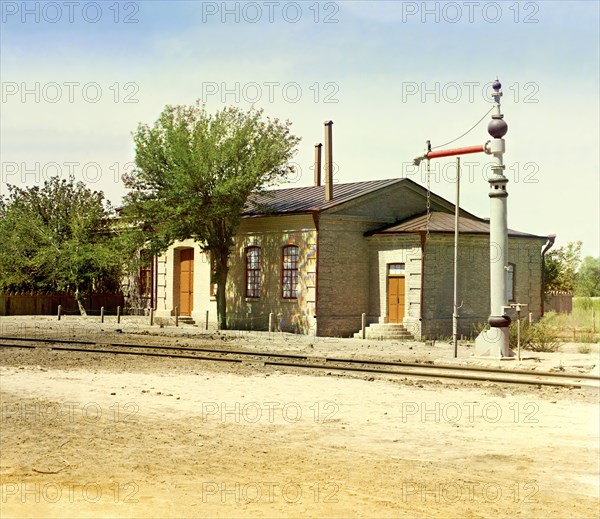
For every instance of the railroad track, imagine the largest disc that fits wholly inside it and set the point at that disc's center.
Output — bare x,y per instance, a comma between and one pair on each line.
286,360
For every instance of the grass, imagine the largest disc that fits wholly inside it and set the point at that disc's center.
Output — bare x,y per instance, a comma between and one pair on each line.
582,325
540,336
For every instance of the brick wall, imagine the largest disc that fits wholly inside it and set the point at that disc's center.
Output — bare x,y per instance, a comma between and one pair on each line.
352,273
271,234
343,275
474,281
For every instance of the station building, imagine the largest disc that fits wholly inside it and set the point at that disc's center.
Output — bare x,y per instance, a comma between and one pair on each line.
319,257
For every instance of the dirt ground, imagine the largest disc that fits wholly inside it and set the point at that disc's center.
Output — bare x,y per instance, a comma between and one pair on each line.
85,435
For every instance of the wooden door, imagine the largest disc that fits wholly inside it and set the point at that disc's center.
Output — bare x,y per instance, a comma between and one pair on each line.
186,281
396,297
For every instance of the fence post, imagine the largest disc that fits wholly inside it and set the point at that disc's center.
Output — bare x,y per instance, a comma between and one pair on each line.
176,316
207,320
363,325
118,315
101,314
530,318
151,316
519,331
271,321
59,311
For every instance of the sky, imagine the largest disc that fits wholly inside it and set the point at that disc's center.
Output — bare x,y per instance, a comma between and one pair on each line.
78,78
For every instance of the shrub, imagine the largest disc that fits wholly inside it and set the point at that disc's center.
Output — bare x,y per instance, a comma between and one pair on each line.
544,337
480,327
585,348
527,331
540,337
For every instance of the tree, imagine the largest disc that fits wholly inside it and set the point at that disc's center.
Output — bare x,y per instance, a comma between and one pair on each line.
560,267
60,237
195,173
588,277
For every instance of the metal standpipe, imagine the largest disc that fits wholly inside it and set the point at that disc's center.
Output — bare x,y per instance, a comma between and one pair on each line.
495,341
456,224
498,320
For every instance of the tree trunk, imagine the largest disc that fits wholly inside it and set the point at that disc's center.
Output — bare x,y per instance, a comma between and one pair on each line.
221,271
80,302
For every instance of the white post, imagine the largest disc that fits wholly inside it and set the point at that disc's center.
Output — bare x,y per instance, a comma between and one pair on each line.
517,307
363,325
271,321
456,216
498,195
519,332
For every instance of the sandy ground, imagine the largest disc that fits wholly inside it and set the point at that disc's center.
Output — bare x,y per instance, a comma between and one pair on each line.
137,329
84,435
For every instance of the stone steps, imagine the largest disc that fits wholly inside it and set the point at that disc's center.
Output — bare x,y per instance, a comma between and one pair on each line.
381,331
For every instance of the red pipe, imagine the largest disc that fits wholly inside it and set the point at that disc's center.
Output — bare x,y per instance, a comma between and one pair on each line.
455,151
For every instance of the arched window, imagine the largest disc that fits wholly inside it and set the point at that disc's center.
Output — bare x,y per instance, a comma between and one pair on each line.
253,271
289,272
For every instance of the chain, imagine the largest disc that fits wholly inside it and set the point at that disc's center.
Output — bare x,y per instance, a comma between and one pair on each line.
428,200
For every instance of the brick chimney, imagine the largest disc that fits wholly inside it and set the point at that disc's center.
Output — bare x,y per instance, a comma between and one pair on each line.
318,164
328,161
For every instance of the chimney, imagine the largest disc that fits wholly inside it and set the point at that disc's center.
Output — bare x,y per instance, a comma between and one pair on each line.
328,161
318,164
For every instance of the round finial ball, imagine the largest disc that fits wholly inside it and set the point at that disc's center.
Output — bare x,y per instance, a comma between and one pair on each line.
496,85
497,128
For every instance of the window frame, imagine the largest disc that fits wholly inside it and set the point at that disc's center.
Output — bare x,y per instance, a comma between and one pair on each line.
146,275
390,268
253,272
294,271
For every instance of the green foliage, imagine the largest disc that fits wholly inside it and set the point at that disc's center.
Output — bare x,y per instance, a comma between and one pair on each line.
195,173
527,333
480,327
540,337
582,325
585,349
59,237
588,278
544,337
560,267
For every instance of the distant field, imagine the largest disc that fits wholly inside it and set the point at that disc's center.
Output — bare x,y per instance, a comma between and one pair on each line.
583,325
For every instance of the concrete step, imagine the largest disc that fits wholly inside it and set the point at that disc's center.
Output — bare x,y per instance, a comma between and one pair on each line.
187,320
388,335
381,331
386,326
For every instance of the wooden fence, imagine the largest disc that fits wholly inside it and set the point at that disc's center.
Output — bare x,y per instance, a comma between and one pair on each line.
47,304
559,302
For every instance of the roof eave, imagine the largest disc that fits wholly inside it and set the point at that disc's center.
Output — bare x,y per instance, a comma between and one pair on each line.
450,233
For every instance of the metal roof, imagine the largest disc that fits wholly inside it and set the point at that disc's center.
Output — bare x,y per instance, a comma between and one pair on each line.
442,223
312,198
